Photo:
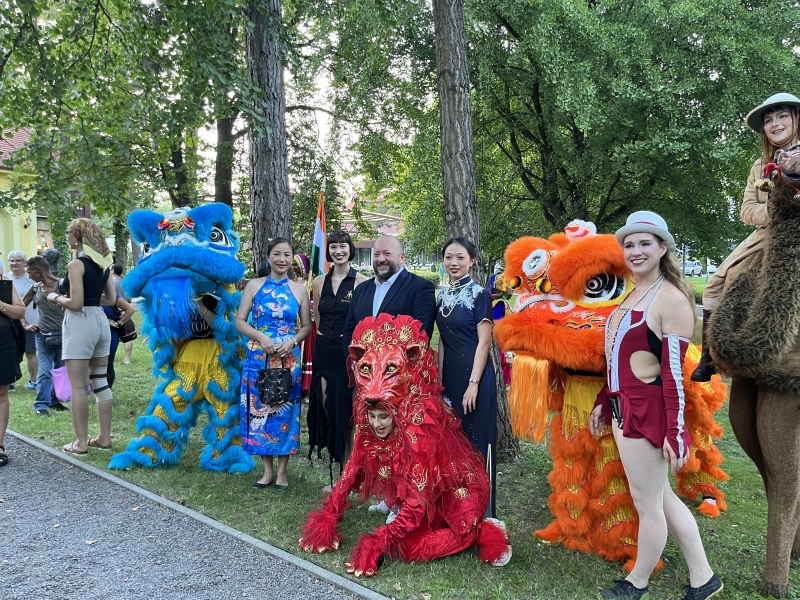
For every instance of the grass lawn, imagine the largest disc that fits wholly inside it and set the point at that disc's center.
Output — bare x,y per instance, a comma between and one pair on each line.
734,542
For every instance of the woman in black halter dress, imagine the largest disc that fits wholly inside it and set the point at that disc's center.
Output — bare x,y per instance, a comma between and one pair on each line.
330,410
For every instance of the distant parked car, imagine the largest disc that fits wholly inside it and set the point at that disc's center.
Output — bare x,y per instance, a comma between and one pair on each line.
693,268
712,268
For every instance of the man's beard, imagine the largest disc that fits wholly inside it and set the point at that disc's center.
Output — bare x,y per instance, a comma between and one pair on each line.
393,268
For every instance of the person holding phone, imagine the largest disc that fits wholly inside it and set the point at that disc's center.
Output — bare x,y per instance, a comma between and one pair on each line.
11,308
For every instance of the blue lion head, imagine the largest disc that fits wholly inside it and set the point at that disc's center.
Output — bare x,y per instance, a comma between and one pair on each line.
185,252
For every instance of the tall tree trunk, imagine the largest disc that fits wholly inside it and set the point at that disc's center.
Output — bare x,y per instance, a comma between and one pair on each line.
223,170
121,238
135,251
270,204
458,169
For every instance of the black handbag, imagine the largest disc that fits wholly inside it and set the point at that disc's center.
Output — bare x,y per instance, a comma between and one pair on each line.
127,331
274,385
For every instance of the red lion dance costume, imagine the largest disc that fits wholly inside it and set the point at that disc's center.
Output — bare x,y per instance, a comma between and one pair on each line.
568,286
426,465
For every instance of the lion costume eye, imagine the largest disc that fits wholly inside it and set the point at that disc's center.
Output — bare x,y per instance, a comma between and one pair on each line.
219,237
602,288
365,369
391,368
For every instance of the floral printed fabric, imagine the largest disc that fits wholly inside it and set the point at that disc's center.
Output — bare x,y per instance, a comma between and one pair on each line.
271,431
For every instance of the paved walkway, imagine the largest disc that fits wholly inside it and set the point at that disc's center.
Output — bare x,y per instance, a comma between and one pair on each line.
67,533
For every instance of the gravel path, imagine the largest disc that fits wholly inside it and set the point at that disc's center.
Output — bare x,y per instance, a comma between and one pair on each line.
69,534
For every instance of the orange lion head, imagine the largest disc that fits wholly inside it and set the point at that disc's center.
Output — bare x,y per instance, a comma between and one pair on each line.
567,286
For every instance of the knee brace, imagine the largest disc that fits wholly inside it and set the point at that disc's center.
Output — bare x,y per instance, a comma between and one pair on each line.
99,383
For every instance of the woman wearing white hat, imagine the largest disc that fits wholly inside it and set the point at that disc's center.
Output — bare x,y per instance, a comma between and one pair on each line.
646,340
776,119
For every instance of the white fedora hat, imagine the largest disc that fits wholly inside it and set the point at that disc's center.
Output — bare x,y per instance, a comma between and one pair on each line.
645,221
755,118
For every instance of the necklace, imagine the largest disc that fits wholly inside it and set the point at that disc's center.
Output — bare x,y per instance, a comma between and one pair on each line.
459,292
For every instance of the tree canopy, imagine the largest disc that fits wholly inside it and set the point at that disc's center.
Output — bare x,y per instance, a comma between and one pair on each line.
581,108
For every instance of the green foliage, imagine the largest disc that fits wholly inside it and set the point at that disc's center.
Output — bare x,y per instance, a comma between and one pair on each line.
581,110
606,108
432,277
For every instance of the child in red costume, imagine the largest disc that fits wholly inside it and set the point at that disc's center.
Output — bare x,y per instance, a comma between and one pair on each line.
409,450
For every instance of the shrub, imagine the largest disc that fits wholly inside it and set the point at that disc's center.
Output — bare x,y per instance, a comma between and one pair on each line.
698,292
432,277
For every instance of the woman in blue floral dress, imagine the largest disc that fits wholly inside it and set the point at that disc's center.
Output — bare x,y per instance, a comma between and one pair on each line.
274,304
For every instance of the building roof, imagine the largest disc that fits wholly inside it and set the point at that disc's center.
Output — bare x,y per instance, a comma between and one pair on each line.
385,224
10,141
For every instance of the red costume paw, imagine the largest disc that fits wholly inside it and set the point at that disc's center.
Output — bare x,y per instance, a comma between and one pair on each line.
366,554
319,532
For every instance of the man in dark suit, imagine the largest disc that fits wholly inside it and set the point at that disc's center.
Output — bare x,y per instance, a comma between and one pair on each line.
393,290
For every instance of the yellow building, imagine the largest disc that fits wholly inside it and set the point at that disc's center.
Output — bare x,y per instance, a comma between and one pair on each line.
26,231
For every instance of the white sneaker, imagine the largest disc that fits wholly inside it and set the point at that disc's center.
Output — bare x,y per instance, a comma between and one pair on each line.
380,507
504,559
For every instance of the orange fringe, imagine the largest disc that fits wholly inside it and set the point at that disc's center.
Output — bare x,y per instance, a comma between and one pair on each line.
529,397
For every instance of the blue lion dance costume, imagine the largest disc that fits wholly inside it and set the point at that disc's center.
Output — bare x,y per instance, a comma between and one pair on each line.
185,253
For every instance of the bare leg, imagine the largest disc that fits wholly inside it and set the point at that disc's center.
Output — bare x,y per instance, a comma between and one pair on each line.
33,365
266,478
3,412
324,385
78,371
683,529
103,409
281,478
128,352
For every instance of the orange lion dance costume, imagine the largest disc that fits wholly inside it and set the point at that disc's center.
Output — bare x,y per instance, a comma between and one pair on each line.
568,286
426,465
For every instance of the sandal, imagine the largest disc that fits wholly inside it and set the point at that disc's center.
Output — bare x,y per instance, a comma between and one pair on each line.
93,443
69,449
3,456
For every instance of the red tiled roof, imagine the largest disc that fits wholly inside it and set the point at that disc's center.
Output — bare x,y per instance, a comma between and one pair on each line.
9,144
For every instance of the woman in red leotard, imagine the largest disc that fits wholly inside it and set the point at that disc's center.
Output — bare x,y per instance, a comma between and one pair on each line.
646,341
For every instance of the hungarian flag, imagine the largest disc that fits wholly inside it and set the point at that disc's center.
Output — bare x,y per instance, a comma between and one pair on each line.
319,264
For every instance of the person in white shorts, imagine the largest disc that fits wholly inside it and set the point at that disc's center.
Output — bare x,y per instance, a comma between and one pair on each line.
86,337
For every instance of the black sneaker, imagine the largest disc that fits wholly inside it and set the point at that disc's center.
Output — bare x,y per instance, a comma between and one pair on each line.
623,589
710,588
43,412
58,407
